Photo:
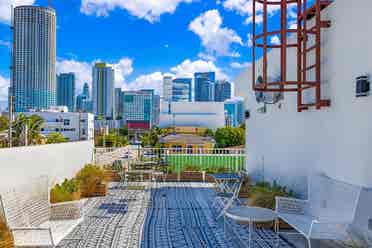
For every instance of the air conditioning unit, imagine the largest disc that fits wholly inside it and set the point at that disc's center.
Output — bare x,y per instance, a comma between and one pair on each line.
362,86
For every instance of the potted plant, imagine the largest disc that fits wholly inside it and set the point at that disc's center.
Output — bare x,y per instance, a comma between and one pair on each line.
91,180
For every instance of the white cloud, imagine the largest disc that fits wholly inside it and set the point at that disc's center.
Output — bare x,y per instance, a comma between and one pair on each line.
275,40
4,85
5,8
149,10
237,65
245,8
5,43
216,39
83,70
206,56
187,68
249,40
146,81
122,69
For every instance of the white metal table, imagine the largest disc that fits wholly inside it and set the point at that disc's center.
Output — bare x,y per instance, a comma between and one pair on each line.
252,215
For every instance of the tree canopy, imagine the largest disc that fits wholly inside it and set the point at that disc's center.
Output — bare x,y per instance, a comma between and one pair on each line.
4,123
54,138
229,136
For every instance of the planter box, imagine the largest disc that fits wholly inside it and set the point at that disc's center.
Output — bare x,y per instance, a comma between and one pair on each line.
98,191
192,176
112,176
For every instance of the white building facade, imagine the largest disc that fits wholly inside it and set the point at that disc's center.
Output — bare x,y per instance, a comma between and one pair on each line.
287,146
197,114
72,125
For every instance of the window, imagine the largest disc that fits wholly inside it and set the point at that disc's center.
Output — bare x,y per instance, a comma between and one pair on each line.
66,122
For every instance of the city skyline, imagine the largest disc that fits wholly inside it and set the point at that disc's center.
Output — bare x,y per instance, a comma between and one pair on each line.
223,51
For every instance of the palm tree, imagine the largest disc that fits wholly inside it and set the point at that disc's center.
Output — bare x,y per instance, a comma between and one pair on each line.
30,125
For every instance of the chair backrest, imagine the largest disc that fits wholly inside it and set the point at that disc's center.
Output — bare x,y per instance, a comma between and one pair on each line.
27,205
330,199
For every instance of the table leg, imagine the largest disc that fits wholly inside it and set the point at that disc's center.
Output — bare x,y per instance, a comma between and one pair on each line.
250,234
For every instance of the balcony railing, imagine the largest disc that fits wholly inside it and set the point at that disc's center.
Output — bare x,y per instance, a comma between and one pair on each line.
178,159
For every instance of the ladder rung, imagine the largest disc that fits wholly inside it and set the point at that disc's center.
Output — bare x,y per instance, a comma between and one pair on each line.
309,68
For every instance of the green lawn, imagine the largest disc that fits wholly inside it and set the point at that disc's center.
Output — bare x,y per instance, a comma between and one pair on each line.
233,162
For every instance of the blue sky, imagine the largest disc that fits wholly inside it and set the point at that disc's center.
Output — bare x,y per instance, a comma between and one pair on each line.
144,39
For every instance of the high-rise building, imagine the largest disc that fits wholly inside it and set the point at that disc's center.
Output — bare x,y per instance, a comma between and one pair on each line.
66,91
204,86
138,109
234,112
103,90
118,103
222,91
156,110
181,90
34,58
86,90
167,88
83,101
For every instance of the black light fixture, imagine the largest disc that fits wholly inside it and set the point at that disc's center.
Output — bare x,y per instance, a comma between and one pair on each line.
362,86
247,114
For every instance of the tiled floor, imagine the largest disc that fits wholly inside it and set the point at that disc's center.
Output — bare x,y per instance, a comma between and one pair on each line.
170,215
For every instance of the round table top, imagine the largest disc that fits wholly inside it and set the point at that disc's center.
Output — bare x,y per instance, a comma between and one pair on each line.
226,176
251,214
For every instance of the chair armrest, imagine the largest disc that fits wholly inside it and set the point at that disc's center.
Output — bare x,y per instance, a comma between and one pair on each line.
32,237
290,205
330,230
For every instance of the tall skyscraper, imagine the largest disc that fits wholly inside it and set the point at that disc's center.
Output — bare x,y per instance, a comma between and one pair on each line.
138,109
34,58
167,88
234,112
103,90
204,86
118,103
83,101
181,90
156,110
222,90
66,90
86,90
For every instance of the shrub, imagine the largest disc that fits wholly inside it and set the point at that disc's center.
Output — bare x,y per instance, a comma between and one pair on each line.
263,194
191,168
67,191
89,177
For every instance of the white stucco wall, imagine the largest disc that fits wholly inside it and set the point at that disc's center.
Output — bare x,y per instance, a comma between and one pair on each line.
20,165
335,140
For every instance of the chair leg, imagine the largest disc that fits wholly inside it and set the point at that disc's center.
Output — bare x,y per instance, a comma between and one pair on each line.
308,242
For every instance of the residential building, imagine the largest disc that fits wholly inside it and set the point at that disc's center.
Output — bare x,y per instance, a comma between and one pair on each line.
234,112
34,58
66,90
72,125
138,109
291,147
181,90
118,103
103,90
167,88
204,86
191,143
195,114
222,90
